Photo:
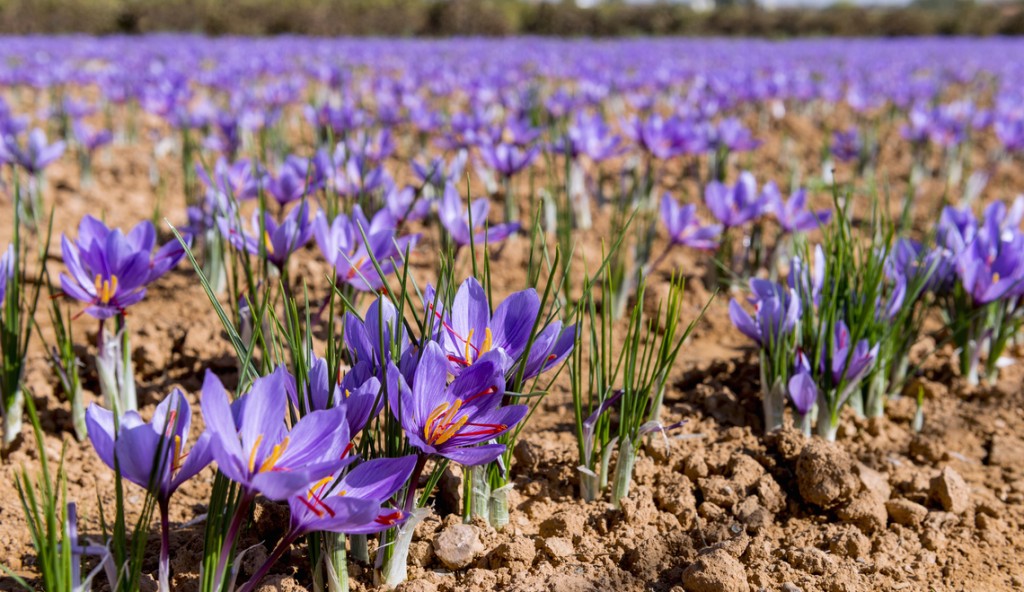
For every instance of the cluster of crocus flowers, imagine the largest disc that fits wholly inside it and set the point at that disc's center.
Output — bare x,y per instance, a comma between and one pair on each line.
268,237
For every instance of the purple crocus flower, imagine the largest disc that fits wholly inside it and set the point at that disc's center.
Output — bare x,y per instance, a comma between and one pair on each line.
35,156
851,366
991,267
7,270
803,391
380,327
151,455
793,214
454,421
684,228
279,241
353,251
731,134
777,310
507,159
847,145
353,503
239,180
358,391
736,205
468,331
108,270
255,448
457,220
88,138
297,178
589,136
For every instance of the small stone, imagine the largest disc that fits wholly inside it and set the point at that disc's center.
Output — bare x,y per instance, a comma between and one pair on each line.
458,545
753,515
825,475
906,512
559,548
717,571
788,442
866,511
791,587
950,489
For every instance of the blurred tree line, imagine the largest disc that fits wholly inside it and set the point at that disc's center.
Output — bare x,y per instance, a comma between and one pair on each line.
501,17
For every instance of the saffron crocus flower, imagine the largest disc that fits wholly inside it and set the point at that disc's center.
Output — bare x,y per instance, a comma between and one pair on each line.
88,138
802,389
108,270
352,245
684,228
847,145
732,135
468,331
380,327
7,270
254,447
279,241
777,312
550,347
507,159
353,503
358,391
470,226
589,136
736,205
297,178
239,180
992,265
793,214
151,455
846,365
35,156
453,421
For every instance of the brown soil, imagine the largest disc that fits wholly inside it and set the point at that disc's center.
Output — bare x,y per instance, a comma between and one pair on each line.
714,507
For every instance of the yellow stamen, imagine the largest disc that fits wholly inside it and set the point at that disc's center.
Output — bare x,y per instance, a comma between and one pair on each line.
450,431
347,393
469,341
269,244
252,455
105,289
488,342
317,486
275,455
176,458
995,278
441,423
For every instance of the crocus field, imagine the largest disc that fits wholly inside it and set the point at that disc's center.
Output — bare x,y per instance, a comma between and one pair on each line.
522,314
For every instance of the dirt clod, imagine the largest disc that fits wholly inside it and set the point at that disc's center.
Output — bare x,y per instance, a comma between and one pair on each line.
717,571
825,475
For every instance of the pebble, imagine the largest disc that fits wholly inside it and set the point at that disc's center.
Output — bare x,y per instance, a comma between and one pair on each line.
458,545
950,489
906,512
